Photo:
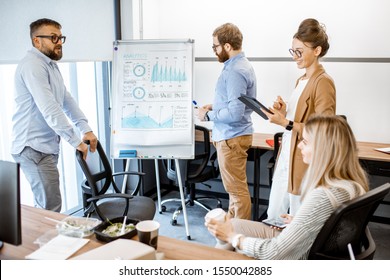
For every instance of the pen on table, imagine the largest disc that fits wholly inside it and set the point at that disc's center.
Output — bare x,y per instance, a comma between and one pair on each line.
195,104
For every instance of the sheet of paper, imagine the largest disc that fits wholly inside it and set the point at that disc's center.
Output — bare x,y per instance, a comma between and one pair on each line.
120,249
59,248
384,150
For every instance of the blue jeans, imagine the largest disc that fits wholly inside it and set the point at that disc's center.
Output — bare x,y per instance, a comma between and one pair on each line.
41,172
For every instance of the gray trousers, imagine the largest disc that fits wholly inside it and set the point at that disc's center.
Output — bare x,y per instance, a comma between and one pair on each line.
42,173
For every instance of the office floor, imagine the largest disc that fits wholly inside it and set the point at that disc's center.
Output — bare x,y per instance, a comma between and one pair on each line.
198,232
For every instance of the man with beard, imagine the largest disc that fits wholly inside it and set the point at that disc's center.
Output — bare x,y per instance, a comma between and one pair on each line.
42,109
232,131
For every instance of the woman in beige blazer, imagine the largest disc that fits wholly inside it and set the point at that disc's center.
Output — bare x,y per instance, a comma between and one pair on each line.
314,93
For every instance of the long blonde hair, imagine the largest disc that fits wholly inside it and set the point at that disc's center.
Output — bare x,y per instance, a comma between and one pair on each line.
334,157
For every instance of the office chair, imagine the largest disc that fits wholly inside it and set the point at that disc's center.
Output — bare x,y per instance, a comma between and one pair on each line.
102,197
348,224
277,140
194,171
272,161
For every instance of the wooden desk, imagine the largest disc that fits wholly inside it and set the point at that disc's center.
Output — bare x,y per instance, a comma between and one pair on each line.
375,163
35,225
366,149
367,152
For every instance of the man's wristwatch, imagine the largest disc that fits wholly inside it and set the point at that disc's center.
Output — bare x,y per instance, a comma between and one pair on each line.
206,116
236,241
290,125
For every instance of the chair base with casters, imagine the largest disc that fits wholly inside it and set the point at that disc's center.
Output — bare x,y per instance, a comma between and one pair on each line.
191,200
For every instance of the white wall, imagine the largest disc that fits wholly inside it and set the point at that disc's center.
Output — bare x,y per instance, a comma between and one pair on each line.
87,24
358,30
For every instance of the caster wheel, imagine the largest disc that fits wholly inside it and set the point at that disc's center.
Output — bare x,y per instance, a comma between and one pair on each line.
174,222
163,208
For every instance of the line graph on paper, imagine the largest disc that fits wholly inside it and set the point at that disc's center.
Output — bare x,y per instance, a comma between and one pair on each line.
147,116
154,116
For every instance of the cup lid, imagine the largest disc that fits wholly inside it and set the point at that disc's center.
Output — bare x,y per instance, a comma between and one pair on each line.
217,212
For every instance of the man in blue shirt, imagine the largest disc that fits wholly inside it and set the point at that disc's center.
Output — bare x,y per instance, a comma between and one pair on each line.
42,109
232,131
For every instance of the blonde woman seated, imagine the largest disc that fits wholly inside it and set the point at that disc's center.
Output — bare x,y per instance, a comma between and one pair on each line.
333,177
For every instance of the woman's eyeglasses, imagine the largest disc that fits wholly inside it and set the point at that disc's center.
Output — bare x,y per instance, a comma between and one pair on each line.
296,52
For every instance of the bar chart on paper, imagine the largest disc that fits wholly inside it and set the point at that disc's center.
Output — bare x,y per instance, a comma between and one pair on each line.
152,100
165,73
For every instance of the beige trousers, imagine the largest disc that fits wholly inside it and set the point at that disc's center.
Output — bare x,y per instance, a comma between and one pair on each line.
254,229
232,158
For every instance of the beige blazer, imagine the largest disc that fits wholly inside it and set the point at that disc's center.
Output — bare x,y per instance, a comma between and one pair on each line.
318,97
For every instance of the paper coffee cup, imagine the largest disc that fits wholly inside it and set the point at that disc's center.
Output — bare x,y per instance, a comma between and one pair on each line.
148,232
218,214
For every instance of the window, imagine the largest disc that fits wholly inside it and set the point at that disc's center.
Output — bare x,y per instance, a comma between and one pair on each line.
80,80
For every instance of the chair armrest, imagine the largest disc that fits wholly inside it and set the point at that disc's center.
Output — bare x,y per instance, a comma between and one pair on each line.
137,188
271,164
369,247
129,173
213,159
200,156
110,195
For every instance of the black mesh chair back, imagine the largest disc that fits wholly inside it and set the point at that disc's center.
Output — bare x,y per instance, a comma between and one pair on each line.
198,169
102,196
272,161
348,225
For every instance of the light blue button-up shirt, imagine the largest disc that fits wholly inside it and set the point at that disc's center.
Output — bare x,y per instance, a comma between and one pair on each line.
43,106
231,117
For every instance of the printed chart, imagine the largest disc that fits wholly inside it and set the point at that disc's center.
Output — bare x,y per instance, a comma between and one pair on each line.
152,93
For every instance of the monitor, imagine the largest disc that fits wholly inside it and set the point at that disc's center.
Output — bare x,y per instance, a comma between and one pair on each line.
10,208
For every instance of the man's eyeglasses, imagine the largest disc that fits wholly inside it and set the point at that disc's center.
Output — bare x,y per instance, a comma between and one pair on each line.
214,47
297,52
54,38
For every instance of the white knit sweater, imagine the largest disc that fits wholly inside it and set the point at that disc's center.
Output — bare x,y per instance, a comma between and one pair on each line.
295,241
